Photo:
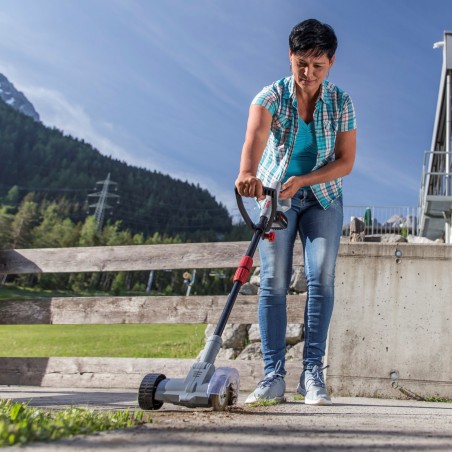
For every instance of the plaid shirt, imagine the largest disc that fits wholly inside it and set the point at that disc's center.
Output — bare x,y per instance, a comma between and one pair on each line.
334,112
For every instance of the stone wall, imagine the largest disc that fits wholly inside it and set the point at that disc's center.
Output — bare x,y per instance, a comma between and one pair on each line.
243,341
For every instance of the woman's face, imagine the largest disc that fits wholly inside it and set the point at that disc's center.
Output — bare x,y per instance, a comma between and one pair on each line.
309,71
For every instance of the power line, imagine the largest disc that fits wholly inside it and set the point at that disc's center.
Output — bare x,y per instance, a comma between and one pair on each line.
39,189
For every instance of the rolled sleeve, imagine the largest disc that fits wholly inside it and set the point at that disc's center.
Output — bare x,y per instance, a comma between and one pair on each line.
268,99
347,120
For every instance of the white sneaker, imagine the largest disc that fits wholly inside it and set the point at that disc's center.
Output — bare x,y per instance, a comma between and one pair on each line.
312,386
271,388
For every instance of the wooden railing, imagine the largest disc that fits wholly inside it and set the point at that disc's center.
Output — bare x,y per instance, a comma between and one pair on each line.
125,372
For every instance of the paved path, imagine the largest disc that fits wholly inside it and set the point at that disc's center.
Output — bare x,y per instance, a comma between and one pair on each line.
352,424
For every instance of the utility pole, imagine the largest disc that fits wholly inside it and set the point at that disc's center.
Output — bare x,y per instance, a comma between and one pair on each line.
150,280
102,197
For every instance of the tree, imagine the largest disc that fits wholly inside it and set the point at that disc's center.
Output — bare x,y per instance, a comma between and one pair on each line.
88,233
50,163
23,223
13,196
53,231
6,220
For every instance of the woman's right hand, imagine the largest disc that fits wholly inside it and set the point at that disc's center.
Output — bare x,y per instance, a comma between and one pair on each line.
249,186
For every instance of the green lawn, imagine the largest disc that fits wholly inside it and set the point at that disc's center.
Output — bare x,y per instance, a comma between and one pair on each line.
130,341
9,292
116,341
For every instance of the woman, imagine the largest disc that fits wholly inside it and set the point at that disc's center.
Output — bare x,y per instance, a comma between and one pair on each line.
301,131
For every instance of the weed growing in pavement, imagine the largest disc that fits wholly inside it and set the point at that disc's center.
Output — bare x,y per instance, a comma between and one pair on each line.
438,399
264,403
298,397
20,424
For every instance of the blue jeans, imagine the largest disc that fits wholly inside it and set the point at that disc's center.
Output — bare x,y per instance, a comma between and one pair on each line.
320,232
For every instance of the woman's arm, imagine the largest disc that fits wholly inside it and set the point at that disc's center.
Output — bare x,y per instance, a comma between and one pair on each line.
344,149
257,131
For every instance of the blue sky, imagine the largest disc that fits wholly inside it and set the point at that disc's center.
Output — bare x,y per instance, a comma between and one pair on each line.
166,85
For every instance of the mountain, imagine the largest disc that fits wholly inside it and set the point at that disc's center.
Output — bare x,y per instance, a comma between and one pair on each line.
17,100
56,167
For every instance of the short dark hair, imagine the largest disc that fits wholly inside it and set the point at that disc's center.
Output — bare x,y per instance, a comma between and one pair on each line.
313,36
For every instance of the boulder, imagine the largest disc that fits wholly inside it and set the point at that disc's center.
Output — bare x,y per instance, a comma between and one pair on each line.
251,352
357,229
298,282
393,238
255,277
224,353
234,335
294,333
295,352
416,239
254,334
228,353
249,289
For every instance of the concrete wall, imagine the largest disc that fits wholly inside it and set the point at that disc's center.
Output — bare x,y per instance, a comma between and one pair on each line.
392,317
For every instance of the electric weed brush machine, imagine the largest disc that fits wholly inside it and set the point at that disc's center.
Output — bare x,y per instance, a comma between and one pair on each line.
206,386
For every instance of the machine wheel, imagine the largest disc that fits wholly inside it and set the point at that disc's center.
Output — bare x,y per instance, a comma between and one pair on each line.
221,401
146,392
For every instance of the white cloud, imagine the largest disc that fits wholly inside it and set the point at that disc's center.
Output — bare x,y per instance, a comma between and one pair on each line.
57,111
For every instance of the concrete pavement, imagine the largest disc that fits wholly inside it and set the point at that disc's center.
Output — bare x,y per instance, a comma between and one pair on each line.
351,424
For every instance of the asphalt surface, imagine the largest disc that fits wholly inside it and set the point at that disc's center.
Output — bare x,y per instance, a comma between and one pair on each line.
351,424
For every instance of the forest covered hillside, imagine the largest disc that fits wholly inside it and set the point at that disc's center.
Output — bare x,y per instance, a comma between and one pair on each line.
59,168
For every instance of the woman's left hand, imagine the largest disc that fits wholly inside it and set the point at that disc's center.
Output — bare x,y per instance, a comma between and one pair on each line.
290,187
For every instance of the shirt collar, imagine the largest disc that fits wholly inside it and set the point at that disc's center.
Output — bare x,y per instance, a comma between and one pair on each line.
323,92
290,91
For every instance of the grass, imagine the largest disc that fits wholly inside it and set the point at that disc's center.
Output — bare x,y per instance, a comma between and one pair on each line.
264,402
20,424
115,341
438,399
8,292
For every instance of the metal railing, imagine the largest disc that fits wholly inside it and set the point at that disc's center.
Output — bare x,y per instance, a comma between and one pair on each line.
382,219
435,181
436,177
378,219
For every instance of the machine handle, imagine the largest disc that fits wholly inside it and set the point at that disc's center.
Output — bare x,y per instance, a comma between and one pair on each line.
270,194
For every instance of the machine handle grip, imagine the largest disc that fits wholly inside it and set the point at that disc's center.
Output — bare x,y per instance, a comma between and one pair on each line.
270,194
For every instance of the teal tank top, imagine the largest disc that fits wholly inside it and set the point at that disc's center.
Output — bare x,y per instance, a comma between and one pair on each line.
304,154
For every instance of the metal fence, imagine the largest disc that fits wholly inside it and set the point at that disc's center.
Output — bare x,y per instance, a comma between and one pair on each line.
382,219
435,188
378,219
